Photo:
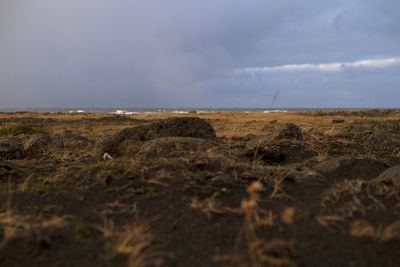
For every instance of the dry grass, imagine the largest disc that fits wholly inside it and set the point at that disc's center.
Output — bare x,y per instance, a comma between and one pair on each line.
362,228
348,187
330,221
136,241
279,177
209,206
226,124
275,252
322,155
20,129
14,225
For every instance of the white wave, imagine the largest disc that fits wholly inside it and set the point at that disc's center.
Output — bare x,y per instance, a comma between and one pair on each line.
77,111
124,112
275,111
180,111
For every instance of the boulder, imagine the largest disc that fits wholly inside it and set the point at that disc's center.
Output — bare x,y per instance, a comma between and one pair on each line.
11,149
173,147
288,131
335,164
276,147
348,167
391,175
264,151
172,127
36,142
72,140
69,135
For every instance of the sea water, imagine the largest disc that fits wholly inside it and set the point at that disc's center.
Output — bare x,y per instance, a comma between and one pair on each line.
129,111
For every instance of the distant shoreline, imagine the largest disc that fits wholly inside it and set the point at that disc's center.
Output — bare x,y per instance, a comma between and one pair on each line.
132,111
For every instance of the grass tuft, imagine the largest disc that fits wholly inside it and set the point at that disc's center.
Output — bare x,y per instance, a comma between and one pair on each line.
20,129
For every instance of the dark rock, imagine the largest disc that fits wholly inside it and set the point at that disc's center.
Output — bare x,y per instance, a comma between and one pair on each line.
337,121
69,135
273,154
267,128
11,149
58,141
249,137
261,148
223,180
36,142
304,175
288,131
173,147
178,127
388,126
335,164
382,144
391,176
357,129
353,132
192,112
348,167
259,141
72,140
272,150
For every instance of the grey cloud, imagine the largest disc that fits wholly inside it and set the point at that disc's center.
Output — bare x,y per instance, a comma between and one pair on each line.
183,53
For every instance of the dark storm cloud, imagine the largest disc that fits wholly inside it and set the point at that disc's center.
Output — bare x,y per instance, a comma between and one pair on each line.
187,53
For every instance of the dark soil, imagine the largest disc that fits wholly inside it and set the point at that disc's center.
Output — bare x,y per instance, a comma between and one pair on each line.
175,192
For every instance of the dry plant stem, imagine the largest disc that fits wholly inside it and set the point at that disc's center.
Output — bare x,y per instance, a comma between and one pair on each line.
362,228
209,206
278,180
254,245
137,242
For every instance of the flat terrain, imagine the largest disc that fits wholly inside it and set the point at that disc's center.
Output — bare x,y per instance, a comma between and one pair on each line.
202,189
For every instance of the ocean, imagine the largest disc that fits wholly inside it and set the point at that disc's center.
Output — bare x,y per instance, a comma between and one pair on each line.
128,111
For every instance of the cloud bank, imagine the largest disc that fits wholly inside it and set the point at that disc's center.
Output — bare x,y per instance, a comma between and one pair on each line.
187,53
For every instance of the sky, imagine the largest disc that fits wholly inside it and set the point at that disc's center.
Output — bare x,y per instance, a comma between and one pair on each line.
208,53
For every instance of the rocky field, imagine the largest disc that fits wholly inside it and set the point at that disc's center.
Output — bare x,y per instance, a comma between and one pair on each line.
212,189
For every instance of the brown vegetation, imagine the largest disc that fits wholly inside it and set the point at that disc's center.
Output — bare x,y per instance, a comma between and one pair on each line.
201,189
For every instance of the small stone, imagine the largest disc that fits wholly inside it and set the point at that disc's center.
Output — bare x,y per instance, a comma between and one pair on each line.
391,175
305,175
337,121
222,180
249,137
11,149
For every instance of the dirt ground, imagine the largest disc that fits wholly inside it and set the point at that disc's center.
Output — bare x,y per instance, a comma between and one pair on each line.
315,188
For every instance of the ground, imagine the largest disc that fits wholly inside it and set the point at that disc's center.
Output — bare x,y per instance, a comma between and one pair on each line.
262,193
